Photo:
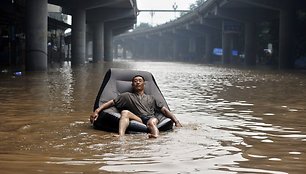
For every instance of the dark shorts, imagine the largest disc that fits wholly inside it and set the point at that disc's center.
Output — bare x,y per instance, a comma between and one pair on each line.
146,118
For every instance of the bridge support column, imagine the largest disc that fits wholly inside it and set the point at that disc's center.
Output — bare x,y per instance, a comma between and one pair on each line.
183,48
108,50
155,48
160,49
78,36
199,48
89,43
208,48
250,44
116,51
131,48
124,53
226,46
286,35
136,49
175,45
191,52
98,48
36,35
139,49
146,49
142,48
165,48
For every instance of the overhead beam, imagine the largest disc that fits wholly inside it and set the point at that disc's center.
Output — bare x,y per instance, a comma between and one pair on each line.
91,4
108,14
120,23
272,5
164,11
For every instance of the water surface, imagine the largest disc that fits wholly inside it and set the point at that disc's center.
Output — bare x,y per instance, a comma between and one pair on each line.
235,121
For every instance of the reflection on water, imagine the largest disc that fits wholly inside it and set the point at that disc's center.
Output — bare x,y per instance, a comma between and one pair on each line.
235,121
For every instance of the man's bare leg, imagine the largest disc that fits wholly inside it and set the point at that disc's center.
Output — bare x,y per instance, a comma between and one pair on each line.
152,125
124,121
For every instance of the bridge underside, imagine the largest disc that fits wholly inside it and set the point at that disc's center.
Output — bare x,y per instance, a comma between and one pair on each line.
246,32
30,37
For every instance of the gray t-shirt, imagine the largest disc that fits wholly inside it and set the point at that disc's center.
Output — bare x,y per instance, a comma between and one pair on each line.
137,104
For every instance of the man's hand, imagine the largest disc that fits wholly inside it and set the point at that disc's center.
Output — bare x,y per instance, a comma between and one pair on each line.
170,115
93,117
178,124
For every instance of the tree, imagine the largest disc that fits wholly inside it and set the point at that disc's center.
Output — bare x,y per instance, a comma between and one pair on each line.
197,3
143,26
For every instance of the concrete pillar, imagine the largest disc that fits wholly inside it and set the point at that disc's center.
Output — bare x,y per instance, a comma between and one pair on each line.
88,50
208,48
250,44
160,49
147,48
61,46
134,49
78,36
199,50
226,47
108,50
191,52
142,49
116,51
175,49
155,48
68,51
98,40
36,35
88,43
286,35
184,49
124,53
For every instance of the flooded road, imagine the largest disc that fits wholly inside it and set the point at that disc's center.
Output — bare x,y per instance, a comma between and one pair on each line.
235,121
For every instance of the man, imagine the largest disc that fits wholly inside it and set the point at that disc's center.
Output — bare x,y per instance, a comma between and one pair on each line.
137,106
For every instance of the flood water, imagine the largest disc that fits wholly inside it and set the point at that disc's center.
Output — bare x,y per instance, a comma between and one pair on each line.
234,121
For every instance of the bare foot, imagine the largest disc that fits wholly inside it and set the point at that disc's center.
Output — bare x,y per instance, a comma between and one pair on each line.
116,135
153,136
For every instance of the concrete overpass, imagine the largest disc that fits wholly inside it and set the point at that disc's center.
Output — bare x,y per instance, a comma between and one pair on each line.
101,18
227,24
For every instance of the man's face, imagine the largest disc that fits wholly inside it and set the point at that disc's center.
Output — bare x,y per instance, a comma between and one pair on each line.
138,84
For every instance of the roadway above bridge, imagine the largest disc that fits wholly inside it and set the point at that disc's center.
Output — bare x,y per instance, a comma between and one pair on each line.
231,25
100,19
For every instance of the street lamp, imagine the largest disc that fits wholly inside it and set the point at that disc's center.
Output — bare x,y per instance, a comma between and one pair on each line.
152,14
174,6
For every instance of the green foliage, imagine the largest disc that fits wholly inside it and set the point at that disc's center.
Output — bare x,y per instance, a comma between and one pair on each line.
197,3
194,6
143,26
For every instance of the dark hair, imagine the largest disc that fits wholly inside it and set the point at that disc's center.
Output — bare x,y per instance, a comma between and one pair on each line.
138,76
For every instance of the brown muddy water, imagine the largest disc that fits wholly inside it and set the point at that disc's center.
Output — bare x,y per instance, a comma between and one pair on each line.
235,121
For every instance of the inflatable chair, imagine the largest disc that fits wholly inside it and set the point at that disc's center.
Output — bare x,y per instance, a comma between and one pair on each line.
117,81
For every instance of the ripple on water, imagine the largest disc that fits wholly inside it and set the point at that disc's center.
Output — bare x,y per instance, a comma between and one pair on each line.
235,121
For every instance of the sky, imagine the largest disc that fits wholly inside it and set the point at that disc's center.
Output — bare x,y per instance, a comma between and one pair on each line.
160,17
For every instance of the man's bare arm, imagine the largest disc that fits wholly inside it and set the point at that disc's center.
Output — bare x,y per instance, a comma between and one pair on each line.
170,115
95,114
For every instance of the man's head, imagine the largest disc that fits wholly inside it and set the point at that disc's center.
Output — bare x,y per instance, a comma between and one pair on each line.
138,83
